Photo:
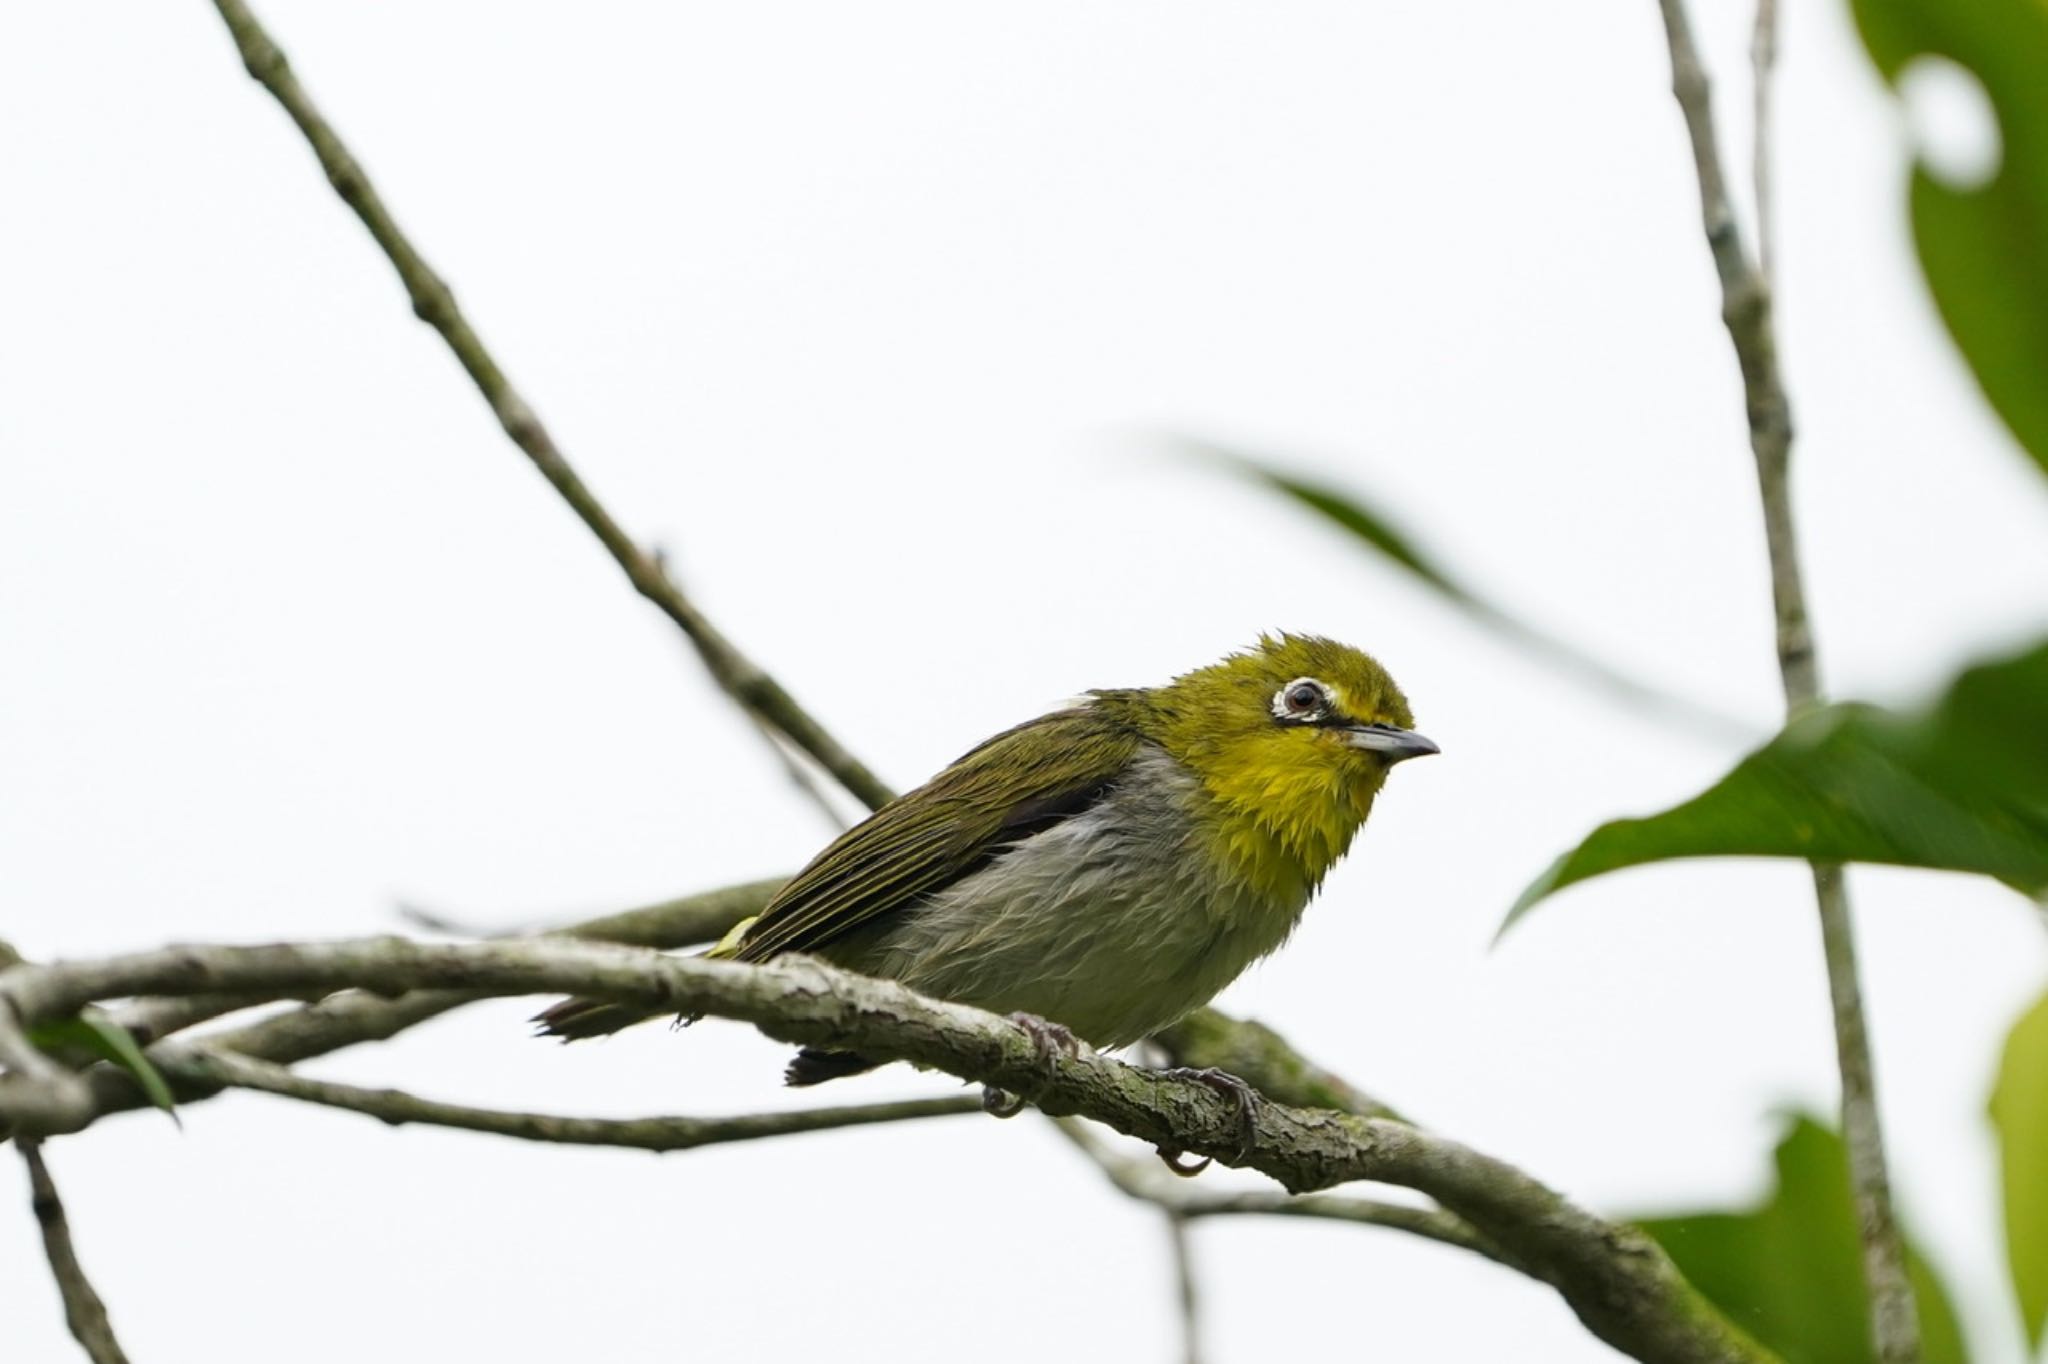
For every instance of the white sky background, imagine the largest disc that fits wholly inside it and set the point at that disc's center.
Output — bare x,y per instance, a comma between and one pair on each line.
863,311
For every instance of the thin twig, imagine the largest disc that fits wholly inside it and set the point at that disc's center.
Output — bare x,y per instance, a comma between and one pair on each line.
1621,1285
1746,309
207,1065
1763,63
84,1313
1187,1285
152,1020
435,305
1146,1180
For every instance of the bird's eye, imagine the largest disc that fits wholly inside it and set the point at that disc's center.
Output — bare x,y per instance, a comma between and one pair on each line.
1302,697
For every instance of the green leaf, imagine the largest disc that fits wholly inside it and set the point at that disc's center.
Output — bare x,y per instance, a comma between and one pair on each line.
1962,786
1790,1271
2019,1112
1981,247
92,1031
1379,531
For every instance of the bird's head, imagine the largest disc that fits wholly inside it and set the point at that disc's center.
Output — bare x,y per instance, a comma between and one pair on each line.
1292,738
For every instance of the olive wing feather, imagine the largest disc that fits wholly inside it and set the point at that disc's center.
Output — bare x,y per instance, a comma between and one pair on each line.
1017,784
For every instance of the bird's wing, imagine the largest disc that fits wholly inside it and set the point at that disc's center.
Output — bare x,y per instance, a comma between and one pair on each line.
1017,784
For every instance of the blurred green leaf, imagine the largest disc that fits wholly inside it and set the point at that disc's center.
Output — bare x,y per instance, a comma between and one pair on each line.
1368,523
92,1031
1981,247
2019,1112
1960,787
1790,1272
1378,530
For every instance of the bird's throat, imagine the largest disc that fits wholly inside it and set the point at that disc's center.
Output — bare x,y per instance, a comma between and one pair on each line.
1280,829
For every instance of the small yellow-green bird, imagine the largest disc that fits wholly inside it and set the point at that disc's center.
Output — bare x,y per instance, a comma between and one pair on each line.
1107,868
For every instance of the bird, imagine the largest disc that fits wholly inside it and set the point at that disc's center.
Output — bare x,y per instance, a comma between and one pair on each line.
1105,869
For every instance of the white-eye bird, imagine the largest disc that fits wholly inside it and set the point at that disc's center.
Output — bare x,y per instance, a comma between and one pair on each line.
1108,867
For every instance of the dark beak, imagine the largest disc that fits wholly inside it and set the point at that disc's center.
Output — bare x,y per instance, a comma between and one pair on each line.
1394,745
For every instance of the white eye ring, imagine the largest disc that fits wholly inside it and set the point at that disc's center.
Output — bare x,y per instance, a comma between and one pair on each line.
1300,699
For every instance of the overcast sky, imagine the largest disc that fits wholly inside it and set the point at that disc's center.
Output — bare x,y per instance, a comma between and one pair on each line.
868,314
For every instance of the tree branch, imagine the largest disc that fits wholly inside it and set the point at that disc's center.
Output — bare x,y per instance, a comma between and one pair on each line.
205,1065
1621,1285
1252,1051
84,1313
351,1017
1148,1181
1746,309
434,303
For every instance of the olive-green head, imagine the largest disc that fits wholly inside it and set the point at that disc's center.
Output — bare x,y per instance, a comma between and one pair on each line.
1292,740
1295,699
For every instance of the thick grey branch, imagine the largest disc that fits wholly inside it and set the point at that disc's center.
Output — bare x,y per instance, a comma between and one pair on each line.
204,1065
1615,1278
352,1017
1746,309
84,1313
434,303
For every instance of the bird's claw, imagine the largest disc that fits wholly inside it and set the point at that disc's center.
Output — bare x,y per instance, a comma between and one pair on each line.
1000,1103
1048,1038
1171,1156
1050,1041
1238,1092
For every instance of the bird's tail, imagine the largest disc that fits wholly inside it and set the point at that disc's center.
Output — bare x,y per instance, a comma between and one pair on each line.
572,1020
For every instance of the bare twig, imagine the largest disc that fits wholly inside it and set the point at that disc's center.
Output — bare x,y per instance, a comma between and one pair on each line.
84,1313
1187,1285
1746,309
435,305
1763,62
1615,1278
206,1065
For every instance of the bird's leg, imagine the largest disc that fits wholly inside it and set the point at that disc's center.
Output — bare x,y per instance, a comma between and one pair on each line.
1049,1040
1237,1091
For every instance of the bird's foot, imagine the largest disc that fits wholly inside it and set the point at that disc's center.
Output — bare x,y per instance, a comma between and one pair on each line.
1171,1156
1048,1038
1000,1103
1050,1041
1238,1092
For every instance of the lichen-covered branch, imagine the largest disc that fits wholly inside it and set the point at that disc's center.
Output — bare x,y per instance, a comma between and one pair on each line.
1747,310
1252,1051
351,1017
205,1065
1621,1285
84,1313
434,303
1150,1182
